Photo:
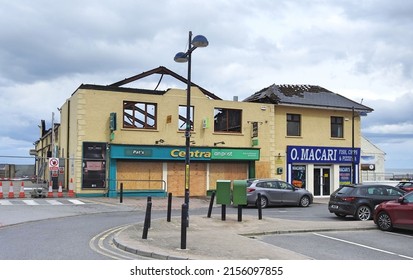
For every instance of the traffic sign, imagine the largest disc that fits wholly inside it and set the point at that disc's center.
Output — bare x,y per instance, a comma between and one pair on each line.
53,164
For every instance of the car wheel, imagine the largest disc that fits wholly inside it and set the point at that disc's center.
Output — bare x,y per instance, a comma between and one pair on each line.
384,221
304,201
363,213
264,202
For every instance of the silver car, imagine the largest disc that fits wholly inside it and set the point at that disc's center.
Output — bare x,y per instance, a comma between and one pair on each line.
277,192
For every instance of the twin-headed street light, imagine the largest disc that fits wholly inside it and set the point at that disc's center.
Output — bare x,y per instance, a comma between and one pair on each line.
198,41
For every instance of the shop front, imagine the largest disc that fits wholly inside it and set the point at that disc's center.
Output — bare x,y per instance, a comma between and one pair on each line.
321,170
158,170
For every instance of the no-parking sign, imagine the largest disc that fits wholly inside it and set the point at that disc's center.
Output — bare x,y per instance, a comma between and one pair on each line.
54,164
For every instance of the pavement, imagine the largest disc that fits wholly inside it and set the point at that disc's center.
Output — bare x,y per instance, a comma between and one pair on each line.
211,238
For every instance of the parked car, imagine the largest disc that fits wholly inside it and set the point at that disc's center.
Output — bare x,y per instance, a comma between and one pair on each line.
406,186
359,200
277,192
395,213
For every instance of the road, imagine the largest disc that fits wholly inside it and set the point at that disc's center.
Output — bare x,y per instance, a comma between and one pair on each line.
82,229
347,245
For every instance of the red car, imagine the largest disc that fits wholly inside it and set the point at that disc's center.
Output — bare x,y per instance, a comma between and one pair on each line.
395,213
406,186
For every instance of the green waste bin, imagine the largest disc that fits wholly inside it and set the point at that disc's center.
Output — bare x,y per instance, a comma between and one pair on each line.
223,192
239,192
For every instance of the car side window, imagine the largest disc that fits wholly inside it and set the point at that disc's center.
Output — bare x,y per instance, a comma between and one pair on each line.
262,185
409,198
284,186
375,191
371,190
277,185
393,192
362,191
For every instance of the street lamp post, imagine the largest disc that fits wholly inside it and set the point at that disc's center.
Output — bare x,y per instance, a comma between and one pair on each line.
197,42
353,164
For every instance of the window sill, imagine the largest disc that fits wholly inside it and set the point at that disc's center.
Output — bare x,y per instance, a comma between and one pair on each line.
140,129
228,133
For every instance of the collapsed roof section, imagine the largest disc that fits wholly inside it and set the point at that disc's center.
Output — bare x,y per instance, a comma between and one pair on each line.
161,70
306,96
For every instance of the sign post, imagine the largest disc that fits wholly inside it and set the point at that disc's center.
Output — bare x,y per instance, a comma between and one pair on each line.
54,164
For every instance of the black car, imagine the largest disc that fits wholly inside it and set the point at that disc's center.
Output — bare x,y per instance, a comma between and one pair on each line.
359,200
405,185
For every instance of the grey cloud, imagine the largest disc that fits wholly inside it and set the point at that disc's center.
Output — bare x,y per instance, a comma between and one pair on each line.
253,44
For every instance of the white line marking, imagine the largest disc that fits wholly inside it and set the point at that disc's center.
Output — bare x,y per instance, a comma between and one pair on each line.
363,246
30,202
5,202
54,202
75,201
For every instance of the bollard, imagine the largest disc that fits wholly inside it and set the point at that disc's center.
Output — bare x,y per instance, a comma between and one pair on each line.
121,193
223,212
168,215
259,207
184,220
211,204
239,213
149,203
147,223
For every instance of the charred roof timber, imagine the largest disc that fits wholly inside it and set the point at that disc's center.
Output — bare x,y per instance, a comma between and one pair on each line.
305,95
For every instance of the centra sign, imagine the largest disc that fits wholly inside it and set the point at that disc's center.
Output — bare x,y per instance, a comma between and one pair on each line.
177,153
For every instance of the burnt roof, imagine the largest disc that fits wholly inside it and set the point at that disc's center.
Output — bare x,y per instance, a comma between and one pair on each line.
161,70
305,95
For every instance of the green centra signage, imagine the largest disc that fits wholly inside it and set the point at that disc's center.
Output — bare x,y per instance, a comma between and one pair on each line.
179,153
235,154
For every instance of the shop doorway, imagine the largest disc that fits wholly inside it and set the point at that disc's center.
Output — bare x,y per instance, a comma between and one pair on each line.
322,180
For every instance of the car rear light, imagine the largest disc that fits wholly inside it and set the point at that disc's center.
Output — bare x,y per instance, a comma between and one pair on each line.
250,189
348,199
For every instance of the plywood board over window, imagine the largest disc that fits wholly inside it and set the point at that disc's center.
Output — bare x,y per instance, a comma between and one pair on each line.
227,171
137,175
197,182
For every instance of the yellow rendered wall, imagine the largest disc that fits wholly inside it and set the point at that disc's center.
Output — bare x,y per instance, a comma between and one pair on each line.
89,121
315,130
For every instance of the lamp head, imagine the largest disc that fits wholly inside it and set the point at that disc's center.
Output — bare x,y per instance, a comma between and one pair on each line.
181,57
200,41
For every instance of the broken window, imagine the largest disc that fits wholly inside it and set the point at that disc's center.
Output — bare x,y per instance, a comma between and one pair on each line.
227,120
182,118
139,115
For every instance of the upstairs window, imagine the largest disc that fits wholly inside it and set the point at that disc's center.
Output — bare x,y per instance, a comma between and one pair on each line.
337,127
293,125
139,115
227,120
182,118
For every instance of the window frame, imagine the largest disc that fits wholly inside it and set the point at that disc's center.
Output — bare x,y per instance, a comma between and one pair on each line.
336,127
138,115
296,129
226,119
182,117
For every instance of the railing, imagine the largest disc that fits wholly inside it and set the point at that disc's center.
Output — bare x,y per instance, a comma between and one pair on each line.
379,176
137,186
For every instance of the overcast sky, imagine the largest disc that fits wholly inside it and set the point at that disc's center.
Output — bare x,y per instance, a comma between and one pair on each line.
357,48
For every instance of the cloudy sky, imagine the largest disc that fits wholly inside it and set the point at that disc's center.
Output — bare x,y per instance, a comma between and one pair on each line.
361,49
